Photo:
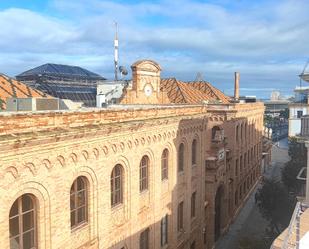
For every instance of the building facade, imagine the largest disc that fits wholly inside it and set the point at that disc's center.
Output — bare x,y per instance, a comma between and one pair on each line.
297,109
160,175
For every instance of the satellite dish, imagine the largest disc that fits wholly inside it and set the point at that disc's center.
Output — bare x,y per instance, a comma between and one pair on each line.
123,70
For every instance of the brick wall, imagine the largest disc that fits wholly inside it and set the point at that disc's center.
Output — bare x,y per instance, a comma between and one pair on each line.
46,162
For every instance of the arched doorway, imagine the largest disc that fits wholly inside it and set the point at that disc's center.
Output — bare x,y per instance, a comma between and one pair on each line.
218,211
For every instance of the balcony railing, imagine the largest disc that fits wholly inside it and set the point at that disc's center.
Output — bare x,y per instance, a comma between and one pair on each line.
293,236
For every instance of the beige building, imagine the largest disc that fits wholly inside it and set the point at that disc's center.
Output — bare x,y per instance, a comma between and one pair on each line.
173,173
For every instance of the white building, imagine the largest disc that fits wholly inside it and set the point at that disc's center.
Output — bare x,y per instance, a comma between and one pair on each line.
109,92
297,109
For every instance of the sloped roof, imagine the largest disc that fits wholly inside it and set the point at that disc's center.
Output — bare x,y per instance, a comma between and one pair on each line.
58,70
13,88
211,91
180,92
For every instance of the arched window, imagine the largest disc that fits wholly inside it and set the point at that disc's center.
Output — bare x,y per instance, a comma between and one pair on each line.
144,239
79,202
245,160
240,191
194,151
252,158
236,167
241,164
246,130
144,173
236,198
216,133
241,132
23,229
181,152
164,164
117,185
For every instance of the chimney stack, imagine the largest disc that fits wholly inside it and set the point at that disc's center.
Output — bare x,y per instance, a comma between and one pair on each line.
236,86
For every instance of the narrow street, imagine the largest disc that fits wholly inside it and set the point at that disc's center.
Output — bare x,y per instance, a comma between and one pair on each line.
249,222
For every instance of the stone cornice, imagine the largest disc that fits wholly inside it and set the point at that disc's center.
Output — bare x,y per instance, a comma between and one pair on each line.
15,141
16,123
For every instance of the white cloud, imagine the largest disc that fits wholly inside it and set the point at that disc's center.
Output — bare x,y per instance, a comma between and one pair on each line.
26,30
266,42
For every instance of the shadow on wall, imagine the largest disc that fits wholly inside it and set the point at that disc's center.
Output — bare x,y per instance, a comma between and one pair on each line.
213,166
186,197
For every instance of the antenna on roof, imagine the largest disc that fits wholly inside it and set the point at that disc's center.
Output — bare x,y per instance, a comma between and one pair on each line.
116,51
199,77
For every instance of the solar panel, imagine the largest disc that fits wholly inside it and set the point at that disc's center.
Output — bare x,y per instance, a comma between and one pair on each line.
60,71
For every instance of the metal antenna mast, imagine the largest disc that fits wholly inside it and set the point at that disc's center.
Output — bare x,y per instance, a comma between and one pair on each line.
116,51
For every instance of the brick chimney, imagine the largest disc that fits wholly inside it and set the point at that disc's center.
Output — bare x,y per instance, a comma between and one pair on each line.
236,86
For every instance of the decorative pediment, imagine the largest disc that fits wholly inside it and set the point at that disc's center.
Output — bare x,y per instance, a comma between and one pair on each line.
146,65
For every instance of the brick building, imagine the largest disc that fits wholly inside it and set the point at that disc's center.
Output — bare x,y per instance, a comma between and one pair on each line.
168,168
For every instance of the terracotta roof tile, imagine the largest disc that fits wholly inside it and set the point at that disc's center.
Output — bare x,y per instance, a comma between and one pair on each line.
174,93
210,90
180,92
13,88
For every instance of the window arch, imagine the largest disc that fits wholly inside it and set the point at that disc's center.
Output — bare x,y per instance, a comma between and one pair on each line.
164,164
181,155
241,132
22,220
246,130
79,202
117,185
194,151
216,133
144,239
144,173
236,198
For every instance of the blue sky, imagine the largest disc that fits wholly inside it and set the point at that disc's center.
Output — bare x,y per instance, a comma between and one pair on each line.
266,41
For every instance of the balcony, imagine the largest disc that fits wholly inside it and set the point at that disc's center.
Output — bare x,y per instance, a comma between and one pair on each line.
296,236
217,135
216,160
302,176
